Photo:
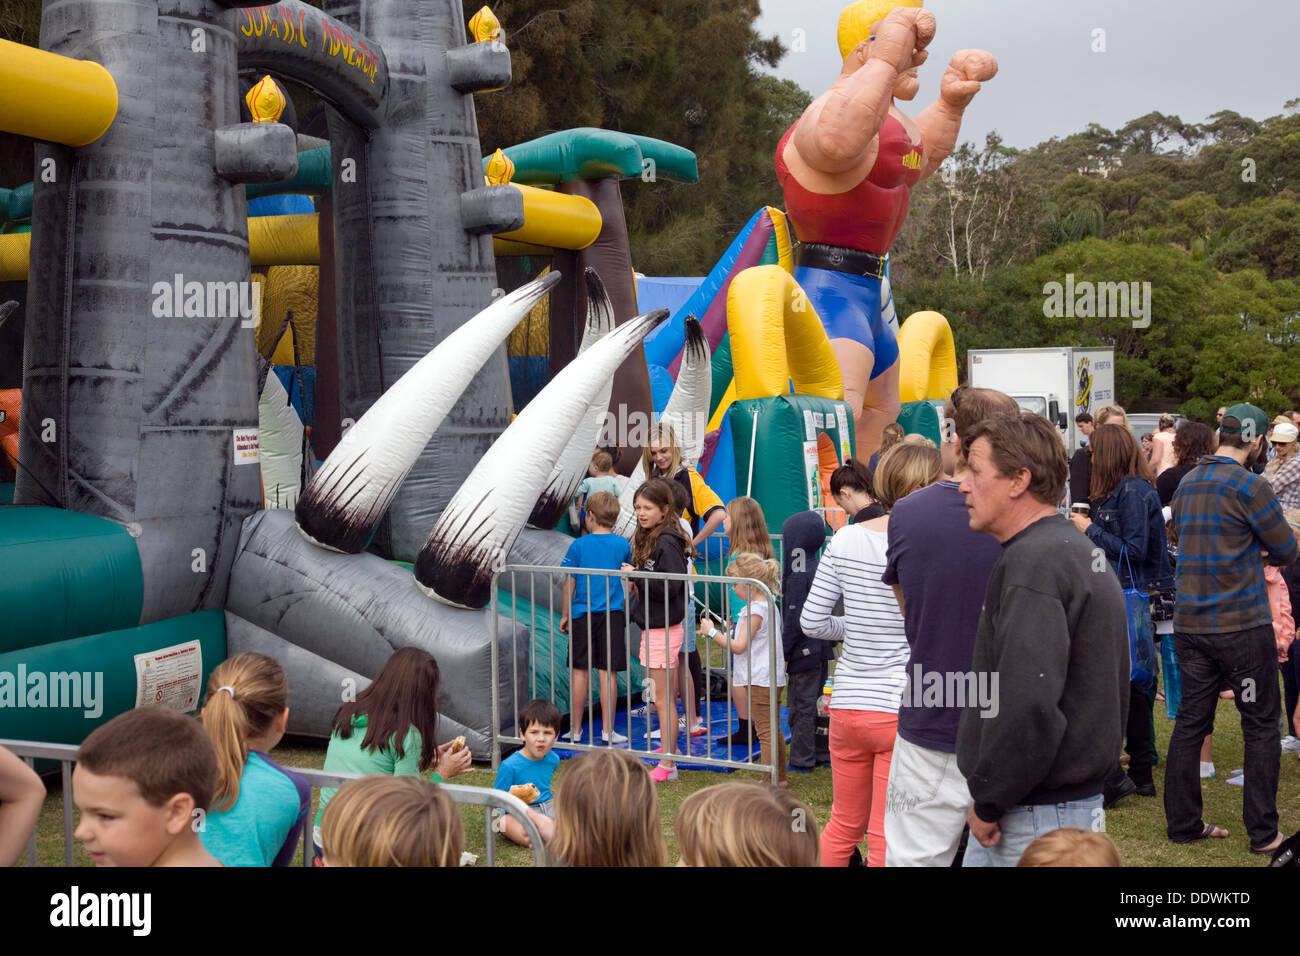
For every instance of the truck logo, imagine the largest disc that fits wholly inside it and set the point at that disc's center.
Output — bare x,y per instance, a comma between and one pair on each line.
1083,397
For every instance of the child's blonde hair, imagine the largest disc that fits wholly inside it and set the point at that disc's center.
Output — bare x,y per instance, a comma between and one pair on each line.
747,528
245,696
1070,846
746,564
746,823
607,813
391,821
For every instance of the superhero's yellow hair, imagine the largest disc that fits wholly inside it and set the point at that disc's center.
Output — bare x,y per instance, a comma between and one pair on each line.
856,20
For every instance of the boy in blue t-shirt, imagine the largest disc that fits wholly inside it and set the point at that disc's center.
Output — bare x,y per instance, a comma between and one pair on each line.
593,614
601,476
535,764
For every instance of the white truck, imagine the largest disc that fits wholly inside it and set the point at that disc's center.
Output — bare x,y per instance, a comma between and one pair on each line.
1055,383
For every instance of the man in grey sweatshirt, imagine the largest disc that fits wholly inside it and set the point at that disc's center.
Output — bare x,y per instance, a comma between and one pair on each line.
1055,632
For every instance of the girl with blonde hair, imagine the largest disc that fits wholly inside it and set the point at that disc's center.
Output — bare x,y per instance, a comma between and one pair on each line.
745,823
259,809
391,821
607,813
746,531
756,631
662,458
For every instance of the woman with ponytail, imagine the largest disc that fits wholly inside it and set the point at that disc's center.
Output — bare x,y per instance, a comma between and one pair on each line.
259,809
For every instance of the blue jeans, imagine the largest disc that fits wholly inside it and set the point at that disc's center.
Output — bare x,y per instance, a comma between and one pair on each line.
1022,825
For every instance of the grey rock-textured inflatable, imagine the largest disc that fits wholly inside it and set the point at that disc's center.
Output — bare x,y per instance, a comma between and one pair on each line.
310,710
354,610
414,274
139,367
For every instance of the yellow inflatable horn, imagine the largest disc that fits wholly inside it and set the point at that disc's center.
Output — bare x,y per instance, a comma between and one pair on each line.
927,358
856,20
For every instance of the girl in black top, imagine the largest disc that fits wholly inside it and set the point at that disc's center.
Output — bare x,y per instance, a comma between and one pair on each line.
659,607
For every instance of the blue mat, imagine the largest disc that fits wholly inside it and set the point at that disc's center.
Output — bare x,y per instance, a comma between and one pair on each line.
719,718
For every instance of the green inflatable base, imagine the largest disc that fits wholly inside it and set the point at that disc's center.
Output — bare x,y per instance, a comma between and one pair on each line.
59,693
65,574
921,418
789,428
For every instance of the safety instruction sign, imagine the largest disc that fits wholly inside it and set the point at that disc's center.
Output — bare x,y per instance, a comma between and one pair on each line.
246,446
169,677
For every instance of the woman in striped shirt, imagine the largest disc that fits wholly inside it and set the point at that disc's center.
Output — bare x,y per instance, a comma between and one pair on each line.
871,672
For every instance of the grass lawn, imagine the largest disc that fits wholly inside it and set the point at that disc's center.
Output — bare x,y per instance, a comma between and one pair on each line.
1137,824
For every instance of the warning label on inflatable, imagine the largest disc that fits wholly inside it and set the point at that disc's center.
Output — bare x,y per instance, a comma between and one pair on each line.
811,460
843,419
169,677
246,446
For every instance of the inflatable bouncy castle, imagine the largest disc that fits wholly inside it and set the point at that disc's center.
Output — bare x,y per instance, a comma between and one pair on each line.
265,396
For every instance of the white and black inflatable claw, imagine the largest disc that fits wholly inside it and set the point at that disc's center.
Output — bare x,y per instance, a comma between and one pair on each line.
483,519
344,500
687,411
572,466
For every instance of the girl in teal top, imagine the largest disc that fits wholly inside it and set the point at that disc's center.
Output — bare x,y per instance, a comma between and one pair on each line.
259,809
391,728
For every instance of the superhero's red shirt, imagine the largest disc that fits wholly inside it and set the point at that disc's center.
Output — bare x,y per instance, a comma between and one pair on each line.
869,215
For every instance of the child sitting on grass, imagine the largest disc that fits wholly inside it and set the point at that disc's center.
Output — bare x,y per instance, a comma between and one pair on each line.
607,813
539,723
259,809
594,617
757,626
143,783
746,823
391,821
391,728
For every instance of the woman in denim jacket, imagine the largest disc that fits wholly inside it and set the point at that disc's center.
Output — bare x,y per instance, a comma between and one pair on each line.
1127,516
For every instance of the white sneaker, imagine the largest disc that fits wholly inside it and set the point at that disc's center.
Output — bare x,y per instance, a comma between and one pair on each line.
642,711
1290,745
614,737
572,737
681,725
1207,769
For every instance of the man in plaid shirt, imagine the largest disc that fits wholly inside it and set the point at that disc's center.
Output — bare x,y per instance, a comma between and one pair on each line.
1228,522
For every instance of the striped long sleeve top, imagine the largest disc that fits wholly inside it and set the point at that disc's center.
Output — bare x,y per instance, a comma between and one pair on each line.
871,672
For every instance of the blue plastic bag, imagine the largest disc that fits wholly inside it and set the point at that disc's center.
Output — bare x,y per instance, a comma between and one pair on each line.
1141,631
1173,677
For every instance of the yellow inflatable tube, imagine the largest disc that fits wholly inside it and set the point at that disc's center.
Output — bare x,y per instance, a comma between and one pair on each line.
927,366
15,254
556,220
776,339
54,98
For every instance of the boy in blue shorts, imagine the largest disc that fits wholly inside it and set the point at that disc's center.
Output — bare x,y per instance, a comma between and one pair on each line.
593,616
531,769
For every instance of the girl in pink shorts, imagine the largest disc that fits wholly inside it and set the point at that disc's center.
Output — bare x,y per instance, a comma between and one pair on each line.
658,606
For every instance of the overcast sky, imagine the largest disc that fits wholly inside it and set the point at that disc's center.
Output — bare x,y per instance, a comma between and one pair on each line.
1188,58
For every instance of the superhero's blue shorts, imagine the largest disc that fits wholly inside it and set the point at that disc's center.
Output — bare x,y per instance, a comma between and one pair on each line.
850,308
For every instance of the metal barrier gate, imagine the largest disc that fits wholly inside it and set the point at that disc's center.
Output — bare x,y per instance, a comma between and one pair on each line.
490,800
526,581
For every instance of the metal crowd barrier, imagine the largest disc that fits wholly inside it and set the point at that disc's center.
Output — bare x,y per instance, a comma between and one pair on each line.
490,800
525,582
